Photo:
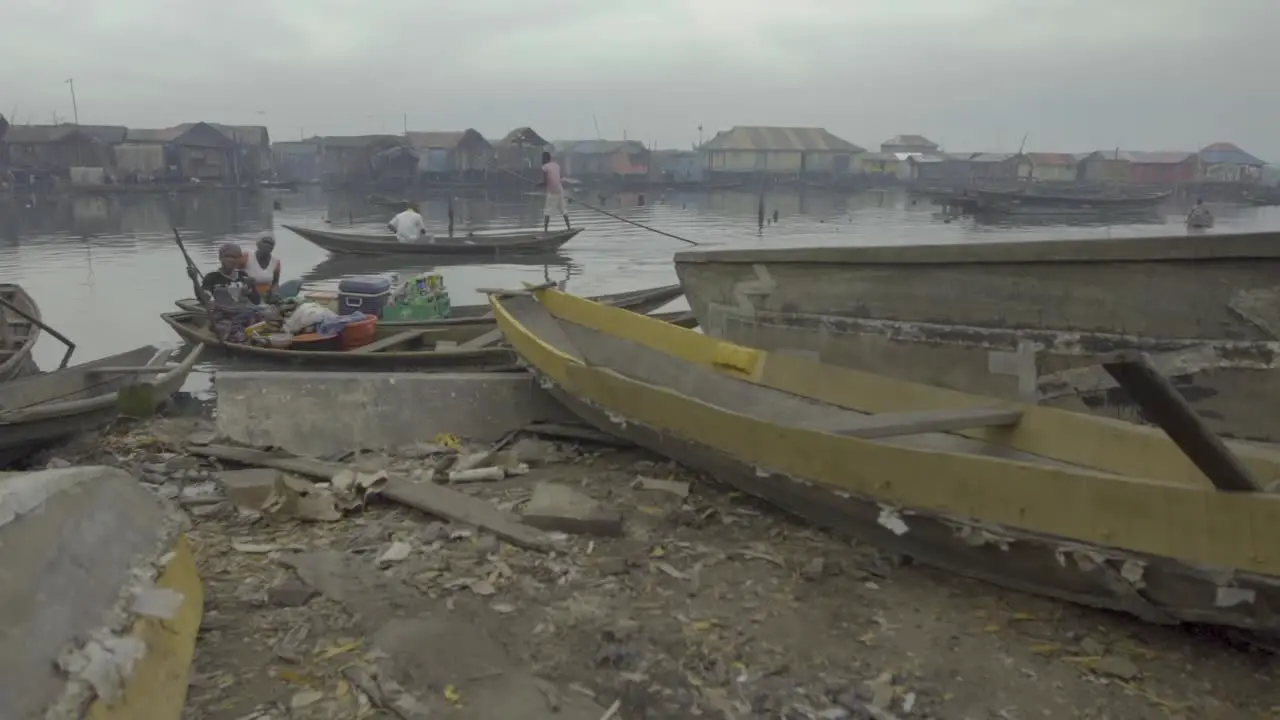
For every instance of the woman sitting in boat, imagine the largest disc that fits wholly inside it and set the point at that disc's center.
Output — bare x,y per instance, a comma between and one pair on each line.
262,267
231,296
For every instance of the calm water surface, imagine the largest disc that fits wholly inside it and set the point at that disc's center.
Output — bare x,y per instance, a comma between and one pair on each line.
103,268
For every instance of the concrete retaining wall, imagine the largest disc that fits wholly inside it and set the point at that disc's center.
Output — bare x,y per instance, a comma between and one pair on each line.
322,413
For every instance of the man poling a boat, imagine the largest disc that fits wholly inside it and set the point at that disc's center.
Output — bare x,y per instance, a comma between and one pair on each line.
409,226
1200,216
556,203
263,267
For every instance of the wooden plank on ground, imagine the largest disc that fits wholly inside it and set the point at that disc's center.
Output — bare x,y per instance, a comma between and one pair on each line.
1162,404
428,497
883,425
391,341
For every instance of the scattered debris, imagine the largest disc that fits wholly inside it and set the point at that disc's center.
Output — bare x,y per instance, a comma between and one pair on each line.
560,508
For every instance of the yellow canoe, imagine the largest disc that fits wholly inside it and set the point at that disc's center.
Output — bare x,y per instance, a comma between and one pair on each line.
1080,507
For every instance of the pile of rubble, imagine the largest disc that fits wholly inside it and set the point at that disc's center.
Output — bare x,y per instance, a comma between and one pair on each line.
545,576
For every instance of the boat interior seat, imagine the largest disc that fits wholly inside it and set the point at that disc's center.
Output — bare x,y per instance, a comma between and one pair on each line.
639,362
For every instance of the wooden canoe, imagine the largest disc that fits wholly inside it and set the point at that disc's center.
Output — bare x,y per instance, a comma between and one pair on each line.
1082,508
495,245
1025,321
642,301
42,410
334,266
18,335
396,348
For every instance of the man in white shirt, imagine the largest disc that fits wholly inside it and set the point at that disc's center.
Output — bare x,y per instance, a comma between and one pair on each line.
409,227
554,184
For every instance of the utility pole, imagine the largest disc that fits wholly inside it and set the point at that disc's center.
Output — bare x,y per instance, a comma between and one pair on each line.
71,82
406,123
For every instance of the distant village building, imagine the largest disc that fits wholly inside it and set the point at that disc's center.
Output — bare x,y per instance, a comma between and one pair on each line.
297,160
1225,162
945,169
1048,167
1141,168
55,149
459,154
787,151
678,166
910,144
996,167
356,159
586,159
520,151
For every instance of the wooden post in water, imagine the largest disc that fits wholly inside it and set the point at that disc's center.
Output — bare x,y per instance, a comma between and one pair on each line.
450,214
760,209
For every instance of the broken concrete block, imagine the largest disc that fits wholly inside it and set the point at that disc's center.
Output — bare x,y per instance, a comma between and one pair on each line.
675,487
249,489
561,508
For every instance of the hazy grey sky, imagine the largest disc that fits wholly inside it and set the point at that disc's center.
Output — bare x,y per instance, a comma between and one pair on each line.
971,74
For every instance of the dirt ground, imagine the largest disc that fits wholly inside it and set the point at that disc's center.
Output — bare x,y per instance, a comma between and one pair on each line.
709,605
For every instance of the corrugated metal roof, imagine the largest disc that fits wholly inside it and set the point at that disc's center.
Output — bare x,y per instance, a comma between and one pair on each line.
1228,154
357,141
296,147
599,147
779,139
524,136
1141,157
32,134
1052,159
242,134
151,135
910,141
110,134
442,139
983,157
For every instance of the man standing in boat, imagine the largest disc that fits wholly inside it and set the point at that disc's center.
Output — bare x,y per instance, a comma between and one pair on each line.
409,226
553,182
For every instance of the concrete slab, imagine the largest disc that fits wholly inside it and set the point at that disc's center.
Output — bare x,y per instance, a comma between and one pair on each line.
99,594
319,413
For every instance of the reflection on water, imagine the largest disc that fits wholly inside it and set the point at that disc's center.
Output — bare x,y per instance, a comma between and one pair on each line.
104,268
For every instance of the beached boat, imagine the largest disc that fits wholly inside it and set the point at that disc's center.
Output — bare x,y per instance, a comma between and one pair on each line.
491,245
1087,509
1035,201
18,335
44,409
641,301
417,348
1025,321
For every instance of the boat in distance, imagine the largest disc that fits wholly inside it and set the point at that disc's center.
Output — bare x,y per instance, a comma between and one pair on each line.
1025,321
492,245
1082,508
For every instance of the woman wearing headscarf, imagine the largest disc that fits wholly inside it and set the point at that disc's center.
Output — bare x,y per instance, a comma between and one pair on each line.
231,296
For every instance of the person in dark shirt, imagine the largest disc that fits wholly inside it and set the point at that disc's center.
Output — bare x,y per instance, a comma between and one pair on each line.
231,296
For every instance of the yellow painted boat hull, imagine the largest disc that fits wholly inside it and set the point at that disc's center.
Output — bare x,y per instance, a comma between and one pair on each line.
1079,507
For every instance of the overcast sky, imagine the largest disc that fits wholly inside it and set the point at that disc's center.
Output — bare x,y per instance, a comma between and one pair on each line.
1073,75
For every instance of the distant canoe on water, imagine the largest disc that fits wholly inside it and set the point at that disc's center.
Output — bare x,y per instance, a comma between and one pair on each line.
494,245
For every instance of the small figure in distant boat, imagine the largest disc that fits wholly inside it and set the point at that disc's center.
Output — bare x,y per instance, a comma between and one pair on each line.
230,295
553,182
262,267
409,226
1200,216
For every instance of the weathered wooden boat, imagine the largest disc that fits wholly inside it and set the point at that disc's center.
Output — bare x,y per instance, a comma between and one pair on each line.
642,301
1200,221
492,246
44,409
442,349
336,266
18,335
100,580
1037,201
1087,509
1024,321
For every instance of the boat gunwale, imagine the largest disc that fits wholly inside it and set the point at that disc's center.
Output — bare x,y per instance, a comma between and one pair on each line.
52,410
377,245
175,320
1144,249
